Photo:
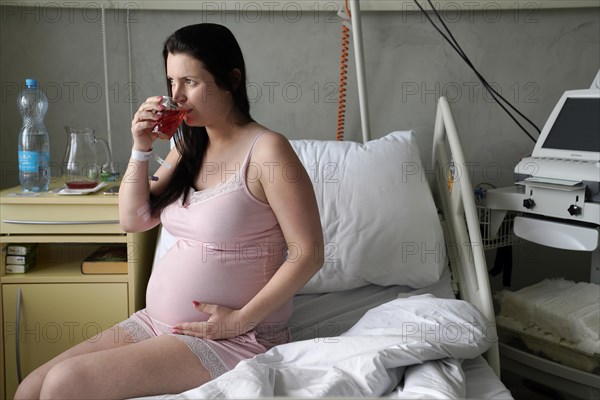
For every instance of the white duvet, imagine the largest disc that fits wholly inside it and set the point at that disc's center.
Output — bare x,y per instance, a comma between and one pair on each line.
407,348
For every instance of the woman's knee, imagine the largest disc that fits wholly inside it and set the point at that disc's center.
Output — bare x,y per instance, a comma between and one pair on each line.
65,380
30,387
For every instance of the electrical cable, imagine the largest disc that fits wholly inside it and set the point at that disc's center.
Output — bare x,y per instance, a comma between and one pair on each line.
341,117
495,95
482,79
489,88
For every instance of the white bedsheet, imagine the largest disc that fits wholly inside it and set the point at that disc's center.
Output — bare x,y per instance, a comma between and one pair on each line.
407,348
331,314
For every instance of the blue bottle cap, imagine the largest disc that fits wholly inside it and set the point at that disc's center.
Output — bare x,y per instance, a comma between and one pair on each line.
30,83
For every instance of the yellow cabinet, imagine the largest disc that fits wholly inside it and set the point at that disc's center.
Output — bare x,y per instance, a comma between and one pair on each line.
43,320
59,305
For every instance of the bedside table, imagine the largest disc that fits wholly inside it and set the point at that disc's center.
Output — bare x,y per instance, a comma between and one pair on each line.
54,306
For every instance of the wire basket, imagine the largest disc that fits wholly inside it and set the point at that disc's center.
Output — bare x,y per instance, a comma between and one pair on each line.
504,236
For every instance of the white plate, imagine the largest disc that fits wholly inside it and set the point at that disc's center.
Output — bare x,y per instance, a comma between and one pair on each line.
67,191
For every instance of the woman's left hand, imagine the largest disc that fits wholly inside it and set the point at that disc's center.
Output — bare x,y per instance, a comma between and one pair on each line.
224,323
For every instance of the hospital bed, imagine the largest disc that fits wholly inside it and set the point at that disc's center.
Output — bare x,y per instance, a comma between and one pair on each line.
402,306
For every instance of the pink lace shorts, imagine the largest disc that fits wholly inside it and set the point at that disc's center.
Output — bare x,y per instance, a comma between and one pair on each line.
217,356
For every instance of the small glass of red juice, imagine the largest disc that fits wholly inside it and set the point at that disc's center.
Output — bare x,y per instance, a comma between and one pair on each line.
168,120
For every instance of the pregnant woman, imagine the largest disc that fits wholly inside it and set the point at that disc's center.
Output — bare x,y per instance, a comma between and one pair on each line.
248,236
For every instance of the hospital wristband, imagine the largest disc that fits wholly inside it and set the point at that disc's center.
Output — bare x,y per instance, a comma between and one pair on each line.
147,155
141,155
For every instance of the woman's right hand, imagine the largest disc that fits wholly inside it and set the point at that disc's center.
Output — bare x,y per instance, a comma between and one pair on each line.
143,122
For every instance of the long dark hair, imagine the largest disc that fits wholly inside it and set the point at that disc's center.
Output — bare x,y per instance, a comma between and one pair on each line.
219,52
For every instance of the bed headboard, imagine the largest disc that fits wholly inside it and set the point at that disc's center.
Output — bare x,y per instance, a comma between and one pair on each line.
454,196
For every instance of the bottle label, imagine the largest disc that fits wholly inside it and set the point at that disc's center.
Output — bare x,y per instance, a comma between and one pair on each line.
33,161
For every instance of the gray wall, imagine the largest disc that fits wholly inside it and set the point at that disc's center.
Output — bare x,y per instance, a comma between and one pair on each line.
293,62
531,55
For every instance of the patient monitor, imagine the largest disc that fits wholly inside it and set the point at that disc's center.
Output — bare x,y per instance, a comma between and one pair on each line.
557,188
568,149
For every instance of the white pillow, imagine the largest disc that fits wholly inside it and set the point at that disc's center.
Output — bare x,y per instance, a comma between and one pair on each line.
379,220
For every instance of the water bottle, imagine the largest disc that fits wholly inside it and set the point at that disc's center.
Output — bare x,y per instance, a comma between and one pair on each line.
34,146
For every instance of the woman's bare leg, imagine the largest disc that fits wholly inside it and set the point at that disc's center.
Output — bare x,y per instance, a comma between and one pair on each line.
111,338
154,366
73,364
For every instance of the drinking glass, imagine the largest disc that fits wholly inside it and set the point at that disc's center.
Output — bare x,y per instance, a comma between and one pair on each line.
168,119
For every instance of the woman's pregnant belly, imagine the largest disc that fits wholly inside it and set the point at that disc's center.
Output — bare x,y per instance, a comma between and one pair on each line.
190,271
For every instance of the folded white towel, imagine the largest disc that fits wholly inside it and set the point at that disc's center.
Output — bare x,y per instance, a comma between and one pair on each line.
562,308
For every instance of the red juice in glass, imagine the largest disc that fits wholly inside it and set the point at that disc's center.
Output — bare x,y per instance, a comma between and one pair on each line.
78,185
168,119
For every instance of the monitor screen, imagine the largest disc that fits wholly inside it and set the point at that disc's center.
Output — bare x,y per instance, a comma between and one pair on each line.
577,127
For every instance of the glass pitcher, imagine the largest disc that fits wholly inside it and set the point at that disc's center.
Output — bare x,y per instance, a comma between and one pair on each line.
81,168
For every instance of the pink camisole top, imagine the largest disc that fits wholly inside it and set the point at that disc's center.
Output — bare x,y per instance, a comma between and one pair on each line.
229,244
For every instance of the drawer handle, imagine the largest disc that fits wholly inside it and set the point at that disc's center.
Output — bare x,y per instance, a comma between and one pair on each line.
22,222
18,336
